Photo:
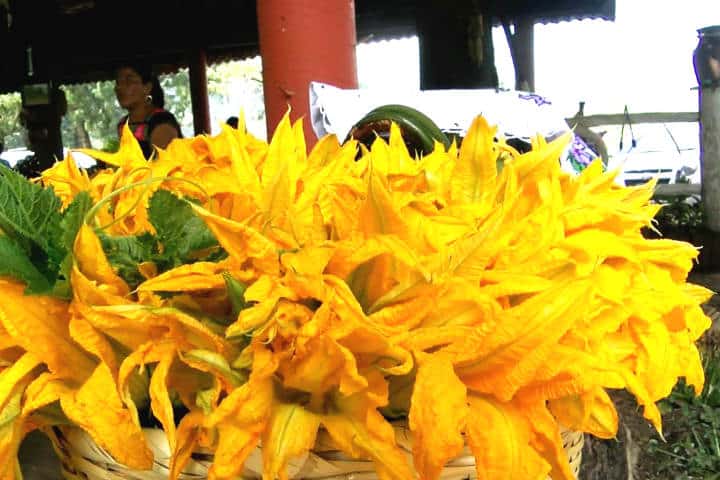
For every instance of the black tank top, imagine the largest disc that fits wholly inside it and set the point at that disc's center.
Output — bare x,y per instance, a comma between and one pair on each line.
143,130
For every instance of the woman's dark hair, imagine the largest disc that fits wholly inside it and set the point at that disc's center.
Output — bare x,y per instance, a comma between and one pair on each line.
145,71
157,93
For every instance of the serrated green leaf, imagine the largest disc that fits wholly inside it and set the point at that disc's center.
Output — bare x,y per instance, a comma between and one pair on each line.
30,213
73,217
15,263
126,253
180,231
181,236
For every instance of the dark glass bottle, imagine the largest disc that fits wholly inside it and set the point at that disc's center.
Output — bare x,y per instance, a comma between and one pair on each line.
706,57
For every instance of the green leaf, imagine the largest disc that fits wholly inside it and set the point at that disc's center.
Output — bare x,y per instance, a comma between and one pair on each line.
180,231
30,214
180,236
73,217
38,243
126,253
15,263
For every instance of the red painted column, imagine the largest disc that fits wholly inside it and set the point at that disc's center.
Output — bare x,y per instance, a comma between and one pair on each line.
303,41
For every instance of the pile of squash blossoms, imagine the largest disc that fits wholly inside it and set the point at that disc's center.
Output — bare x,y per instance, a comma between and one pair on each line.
485,295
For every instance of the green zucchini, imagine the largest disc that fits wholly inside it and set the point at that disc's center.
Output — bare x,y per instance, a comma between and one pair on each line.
418,130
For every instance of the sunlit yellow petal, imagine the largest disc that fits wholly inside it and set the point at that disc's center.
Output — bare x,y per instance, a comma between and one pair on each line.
39,324
362,432
499,437
240,420
592,412
96,408
160,398
438,412
92,261
188,432
290,433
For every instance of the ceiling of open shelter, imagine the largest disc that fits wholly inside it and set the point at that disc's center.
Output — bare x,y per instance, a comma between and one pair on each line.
74,41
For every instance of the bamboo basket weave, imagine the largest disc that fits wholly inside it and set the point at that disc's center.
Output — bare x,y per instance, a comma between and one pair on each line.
82,459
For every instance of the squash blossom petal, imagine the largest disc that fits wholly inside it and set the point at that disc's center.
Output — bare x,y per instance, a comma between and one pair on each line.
485,296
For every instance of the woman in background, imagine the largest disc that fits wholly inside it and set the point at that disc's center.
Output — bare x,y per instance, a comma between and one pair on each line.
139,92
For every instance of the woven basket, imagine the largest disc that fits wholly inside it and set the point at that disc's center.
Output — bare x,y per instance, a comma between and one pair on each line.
82,459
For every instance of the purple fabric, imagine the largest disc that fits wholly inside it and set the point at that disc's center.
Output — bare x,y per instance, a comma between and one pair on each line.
580,154
539,100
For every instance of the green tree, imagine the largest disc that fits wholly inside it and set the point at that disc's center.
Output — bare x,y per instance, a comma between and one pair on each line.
235,83
11,132
93,113
245,72
177,98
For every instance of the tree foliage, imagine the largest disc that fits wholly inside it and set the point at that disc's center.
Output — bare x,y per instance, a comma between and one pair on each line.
93,111
10,130
92,116
177,98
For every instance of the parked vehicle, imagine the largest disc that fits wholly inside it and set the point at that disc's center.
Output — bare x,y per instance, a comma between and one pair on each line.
657,151
14,155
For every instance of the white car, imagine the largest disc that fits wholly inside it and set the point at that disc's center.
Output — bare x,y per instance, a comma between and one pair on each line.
669,154
14,155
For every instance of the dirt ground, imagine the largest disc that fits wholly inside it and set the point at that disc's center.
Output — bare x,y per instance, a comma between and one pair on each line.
627,457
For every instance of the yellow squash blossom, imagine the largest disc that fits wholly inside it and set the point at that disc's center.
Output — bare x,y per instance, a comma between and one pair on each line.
483,295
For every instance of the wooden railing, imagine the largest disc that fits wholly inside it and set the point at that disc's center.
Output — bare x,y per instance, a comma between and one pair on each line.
619,118
583,123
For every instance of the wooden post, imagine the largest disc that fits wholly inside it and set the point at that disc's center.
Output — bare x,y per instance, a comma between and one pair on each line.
710,155
303,41
522,50
198,92
456,47
706,62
